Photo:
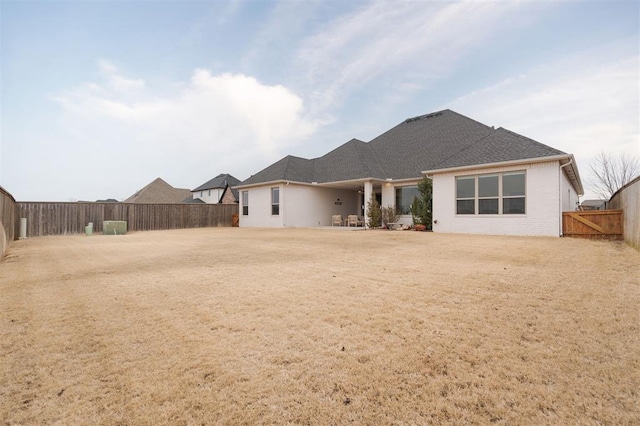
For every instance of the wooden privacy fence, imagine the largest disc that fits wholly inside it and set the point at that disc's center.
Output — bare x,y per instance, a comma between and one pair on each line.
71,218
8,220
594,224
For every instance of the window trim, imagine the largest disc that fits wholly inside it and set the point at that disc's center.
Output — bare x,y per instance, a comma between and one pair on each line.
500,198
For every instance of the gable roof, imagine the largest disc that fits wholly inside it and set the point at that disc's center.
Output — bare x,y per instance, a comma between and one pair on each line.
441,140
159,191
221,181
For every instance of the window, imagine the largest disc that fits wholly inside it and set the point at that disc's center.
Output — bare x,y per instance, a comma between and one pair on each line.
502,193
488,194
513,193
465,195
245,203
404,199
275,201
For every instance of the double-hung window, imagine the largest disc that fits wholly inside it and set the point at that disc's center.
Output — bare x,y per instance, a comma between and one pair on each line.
513,193
466,195
275,201
491,194
245,203
488,194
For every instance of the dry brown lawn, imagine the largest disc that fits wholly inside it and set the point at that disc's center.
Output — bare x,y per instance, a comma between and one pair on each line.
240,326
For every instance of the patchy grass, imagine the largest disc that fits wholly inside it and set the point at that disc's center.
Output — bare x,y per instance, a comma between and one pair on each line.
317,326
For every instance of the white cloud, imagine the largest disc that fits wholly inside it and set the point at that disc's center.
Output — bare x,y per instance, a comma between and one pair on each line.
384,39
211,124
116,80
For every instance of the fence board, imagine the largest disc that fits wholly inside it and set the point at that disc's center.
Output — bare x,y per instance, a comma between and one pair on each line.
45,218
594,224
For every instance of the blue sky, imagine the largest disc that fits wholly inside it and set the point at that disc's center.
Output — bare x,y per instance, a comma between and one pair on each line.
98,98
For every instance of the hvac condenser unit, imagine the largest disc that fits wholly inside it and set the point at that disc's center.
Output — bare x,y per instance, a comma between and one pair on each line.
114,227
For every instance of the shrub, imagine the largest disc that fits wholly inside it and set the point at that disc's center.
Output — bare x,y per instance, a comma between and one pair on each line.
389,215
374,213
421,207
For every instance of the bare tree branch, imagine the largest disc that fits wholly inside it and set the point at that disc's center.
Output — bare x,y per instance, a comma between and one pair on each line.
611,172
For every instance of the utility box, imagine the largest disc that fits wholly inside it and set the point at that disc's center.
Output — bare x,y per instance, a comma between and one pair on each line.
114,227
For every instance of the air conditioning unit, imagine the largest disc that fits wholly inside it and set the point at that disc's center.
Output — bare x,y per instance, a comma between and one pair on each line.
114,227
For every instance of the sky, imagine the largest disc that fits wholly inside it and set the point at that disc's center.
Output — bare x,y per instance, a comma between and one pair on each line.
99,98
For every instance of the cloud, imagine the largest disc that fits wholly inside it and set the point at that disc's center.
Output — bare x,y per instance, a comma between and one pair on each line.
385,39
210,124
116,80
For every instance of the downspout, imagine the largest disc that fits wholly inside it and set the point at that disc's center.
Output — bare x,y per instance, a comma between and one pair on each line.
560,195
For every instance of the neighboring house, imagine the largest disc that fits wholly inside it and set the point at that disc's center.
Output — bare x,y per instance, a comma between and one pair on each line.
160,192
485,180
108,200
593,204
218,190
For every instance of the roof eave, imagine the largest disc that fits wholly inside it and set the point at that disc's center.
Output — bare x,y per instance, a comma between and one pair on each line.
498,164
569,159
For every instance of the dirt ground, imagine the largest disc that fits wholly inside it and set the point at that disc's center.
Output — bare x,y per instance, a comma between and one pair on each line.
242,326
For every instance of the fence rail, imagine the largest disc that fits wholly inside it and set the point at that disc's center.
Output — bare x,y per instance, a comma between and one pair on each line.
8,220
71,218
593,224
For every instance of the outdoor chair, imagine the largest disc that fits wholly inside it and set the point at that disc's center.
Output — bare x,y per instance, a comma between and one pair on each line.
336,219
354,220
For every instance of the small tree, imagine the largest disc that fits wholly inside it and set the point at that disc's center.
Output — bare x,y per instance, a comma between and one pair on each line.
389,215
421,207
374,214
611,172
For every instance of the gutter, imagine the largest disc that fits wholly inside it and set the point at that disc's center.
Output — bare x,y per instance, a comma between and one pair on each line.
560,195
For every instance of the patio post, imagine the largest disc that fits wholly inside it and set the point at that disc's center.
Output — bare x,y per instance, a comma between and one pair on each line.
368,191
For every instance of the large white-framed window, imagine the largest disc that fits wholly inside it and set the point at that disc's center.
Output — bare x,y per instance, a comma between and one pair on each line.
491,194
275,201
404,198
245,203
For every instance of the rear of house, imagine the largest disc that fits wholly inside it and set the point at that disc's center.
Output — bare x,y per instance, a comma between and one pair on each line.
485,180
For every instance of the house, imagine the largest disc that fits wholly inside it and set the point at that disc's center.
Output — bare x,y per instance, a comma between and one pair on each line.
593,204
485,180
160,192
218,190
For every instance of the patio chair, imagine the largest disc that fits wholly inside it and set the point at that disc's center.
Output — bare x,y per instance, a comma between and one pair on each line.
354,220
336,219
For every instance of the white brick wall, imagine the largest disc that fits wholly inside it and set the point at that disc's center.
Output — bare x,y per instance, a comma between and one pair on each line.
300,206
542,216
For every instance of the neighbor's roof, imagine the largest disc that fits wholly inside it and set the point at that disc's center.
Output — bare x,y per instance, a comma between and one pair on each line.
159,192
440,140
221,181
592,203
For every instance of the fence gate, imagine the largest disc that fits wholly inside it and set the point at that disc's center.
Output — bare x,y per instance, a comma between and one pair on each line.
594,224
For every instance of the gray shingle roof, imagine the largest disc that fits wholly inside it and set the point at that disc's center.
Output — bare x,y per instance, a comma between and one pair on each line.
221,181
498,146
439,140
